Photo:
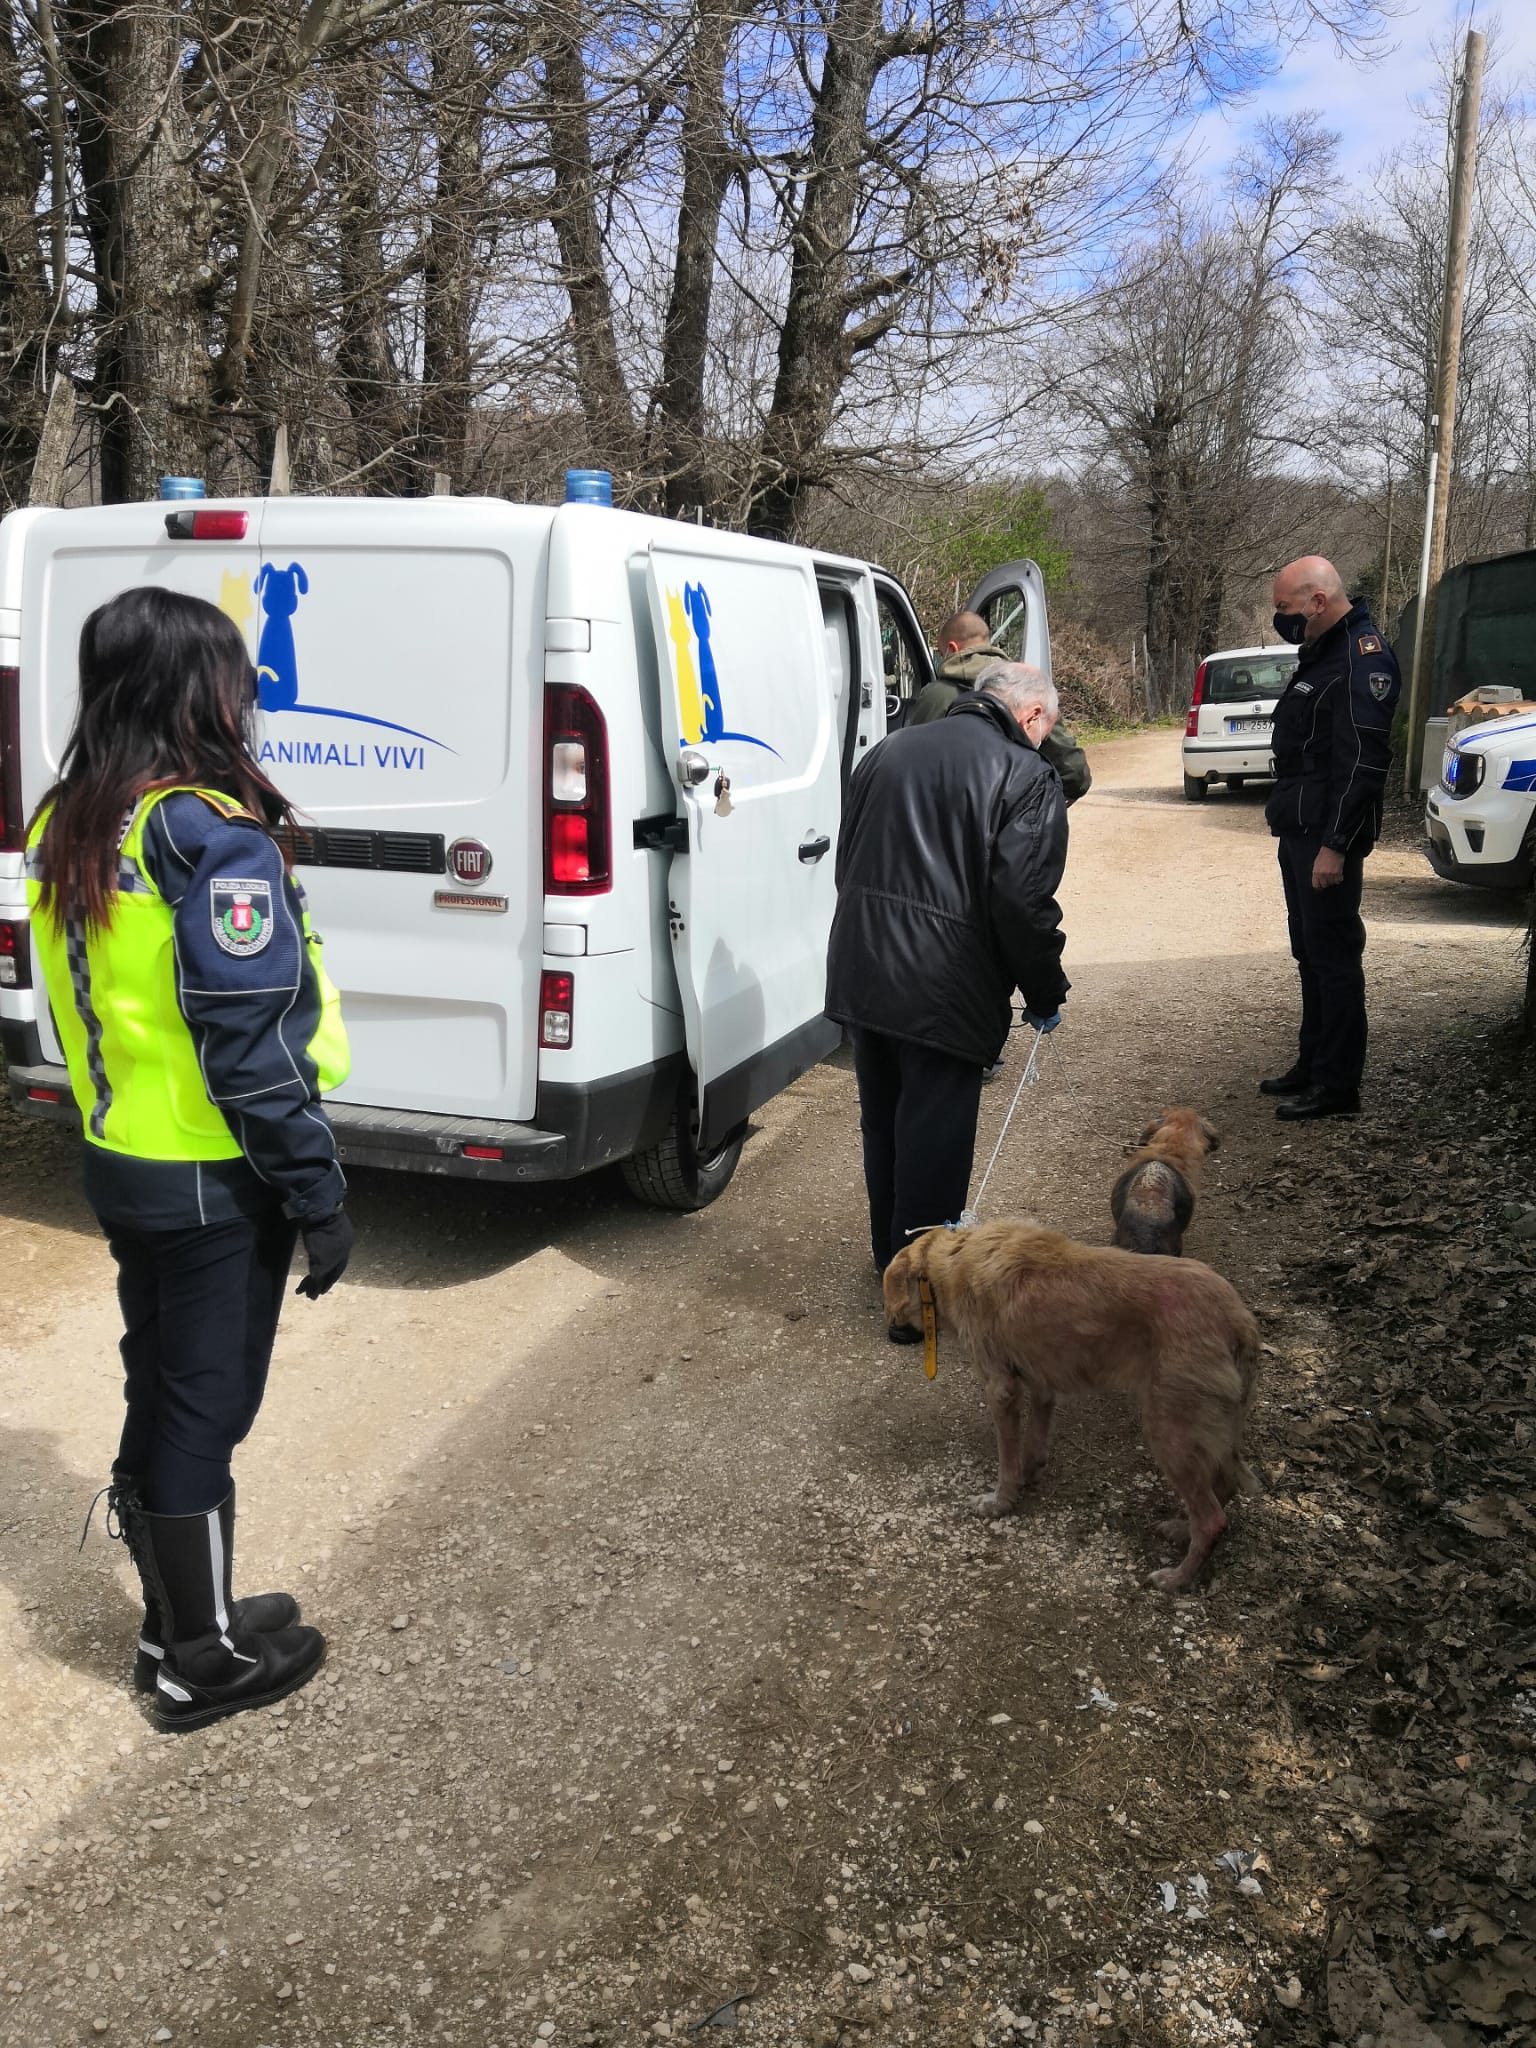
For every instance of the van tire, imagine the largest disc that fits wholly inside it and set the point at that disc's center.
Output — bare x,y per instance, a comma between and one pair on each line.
672,1176
1196,789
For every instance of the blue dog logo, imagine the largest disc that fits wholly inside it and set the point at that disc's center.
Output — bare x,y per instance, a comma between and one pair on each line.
277,654
700,708
277,661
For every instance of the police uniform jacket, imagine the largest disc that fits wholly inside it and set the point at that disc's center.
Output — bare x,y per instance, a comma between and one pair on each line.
953,844
1333,737
958,677
249,991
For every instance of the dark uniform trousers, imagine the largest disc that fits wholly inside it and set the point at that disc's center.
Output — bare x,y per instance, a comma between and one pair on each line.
200,1310
1328,945
917,1113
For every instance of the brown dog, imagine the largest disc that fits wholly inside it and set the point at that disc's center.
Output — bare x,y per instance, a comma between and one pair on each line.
1153,1200
1042,1315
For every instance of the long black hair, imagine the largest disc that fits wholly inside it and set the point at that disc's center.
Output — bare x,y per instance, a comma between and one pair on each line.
167,701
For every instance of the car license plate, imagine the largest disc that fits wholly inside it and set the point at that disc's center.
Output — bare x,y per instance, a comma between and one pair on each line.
1250,725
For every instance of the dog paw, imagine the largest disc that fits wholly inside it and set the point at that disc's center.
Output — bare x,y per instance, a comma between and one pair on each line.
1174,1530
1170,1581
991,1508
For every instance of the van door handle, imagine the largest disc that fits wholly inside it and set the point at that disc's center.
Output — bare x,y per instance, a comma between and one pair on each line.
814,846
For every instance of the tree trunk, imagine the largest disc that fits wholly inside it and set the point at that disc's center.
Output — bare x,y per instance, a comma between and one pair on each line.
365,362
816,346
681,436
450,278
150,236
600,381
26,349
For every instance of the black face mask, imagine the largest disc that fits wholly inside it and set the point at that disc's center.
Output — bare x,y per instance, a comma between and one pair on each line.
1291,626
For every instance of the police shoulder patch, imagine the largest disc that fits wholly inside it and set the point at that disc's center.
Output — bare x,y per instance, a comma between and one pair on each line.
226,806
1380,682
241,915
1368,644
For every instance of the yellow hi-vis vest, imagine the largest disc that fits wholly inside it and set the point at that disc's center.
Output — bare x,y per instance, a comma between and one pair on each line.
133,1064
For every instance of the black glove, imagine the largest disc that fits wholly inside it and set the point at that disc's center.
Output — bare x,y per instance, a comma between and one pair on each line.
328,1246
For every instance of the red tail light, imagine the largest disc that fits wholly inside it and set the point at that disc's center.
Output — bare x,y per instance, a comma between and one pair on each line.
15,955
1192,723
13,825
577,839
557,1020
205,525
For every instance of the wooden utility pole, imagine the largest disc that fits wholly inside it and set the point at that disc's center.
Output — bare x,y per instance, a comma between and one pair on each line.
1386,561
1452,303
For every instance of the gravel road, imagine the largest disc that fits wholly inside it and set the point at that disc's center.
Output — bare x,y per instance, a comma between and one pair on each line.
667,1666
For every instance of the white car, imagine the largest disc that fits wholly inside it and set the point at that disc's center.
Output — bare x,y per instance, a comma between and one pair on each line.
1481,816
1232,717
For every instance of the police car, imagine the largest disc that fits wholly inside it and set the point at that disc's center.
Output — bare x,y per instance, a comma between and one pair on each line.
1480,819
1232,717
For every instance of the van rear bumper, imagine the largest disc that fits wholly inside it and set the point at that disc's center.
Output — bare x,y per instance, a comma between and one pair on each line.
579,1127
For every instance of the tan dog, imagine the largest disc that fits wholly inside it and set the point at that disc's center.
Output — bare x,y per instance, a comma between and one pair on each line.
1153,1200
1042,1316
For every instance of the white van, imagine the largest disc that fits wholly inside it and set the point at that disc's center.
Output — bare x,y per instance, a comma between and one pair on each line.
571,780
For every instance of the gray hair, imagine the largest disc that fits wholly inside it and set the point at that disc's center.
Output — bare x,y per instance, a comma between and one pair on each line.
1021,688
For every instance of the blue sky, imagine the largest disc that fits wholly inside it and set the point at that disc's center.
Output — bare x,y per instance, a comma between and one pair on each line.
1372,104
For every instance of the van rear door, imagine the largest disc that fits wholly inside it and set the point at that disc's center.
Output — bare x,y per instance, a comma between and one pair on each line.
75,561
749,722
399,648
1012,601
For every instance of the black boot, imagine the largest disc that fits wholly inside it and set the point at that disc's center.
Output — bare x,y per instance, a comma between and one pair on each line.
1294,1081
211,1667
259,1614
1316,1102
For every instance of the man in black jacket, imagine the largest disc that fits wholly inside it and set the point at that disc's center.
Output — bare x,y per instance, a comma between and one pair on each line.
952,848
1333,746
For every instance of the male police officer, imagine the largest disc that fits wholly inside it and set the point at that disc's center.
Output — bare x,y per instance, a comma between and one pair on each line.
965,654
1332,747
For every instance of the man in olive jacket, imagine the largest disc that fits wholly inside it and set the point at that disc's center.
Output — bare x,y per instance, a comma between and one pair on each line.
953,844
965,654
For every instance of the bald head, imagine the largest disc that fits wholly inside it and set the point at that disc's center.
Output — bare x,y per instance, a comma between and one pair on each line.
960,633
1312,589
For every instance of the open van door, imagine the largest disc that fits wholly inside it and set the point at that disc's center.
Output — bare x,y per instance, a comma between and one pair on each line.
748,720
1012,601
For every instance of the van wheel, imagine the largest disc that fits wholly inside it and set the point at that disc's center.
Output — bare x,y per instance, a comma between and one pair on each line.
1196,789
673,1175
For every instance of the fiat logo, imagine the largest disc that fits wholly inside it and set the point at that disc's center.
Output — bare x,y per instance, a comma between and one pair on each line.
470,861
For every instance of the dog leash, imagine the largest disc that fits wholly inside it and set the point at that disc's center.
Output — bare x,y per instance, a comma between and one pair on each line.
1031,1074
969,1216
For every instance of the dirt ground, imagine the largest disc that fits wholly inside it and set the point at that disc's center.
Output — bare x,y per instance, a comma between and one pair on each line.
668,1667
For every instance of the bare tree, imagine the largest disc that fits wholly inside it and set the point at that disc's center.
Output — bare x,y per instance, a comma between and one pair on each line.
1183,381
26,345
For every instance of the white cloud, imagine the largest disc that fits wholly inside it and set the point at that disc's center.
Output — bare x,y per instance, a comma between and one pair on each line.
1377,104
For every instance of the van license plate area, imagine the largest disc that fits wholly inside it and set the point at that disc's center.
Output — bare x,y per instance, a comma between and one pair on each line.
1263,725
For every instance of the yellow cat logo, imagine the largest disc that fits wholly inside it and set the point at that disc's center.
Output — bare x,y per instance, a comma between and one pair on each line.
236,601
690,699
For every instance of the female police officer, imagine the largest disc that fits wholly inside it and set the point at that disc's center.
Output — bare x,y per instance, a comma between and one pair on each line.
200,1029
